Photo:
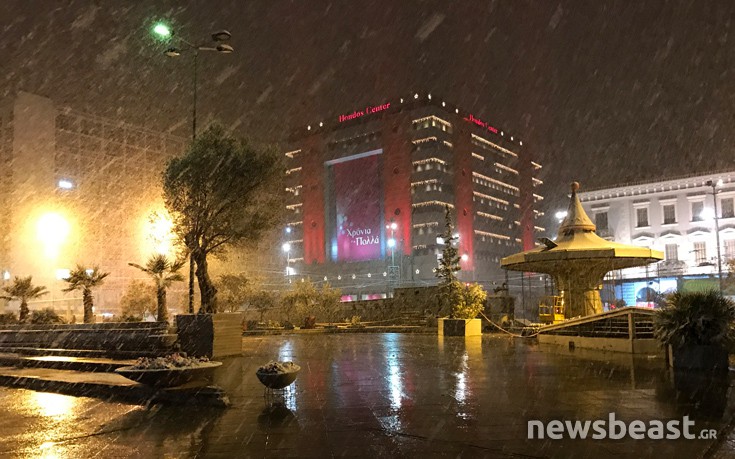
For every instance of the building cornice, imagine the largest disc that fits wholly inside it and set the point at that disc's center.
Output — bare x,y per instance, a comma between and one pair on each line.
662,186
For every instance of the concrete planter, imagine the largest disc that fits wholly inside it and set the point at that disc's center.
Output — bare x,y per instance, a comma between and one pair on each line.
459,327
706,358
210,335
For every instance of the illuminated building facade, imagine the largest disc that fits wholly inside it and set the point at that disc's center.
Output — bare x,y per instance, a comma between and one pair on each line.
368,191
76,188
676,216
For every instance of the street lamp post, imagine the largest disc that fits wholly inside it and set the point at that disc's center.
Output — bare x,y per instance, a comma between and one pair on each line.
714,186
287,249
393,269
218,44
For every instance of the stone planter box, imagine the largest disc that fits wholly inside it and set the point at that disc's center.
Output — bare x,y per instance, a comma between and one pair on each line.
169,377
706,358
210,335
459,327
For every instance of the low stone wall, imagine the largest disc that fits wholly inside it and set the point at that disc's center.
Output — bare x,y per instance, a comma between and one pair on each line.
413,303
134,338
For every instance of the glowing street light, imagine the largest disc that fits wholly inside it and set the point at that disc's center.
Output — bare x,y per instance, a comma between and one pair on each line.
52,230
162,30
286,247
160,232
65,184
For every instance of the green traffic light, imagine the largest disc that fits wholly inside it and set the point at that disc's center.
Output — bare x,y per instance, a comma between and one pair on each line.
162,30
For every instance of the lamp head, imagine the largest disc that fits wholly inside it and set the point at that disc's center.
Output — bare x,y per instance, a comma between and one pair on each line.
173,52
221,35
224,48
162,30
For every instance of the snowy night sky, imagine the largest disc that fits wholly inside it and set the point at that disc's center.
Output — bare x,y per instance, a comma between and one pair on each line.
602,92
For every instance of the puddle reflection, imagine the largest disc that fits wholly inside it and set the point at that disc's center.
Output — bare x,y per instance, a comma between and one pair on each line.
393,370
54,405
275,415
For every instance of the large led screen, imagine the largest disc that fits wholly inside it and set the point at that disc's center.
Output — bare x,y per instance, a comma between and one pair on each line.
357,199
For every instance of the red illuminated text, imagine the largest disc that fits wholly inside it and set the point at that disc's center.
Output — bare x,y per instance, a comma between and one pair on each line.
367,111
481,123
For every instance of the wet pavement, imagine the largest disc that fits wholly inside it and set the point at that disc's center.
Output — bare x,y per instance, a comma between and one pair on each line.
386,395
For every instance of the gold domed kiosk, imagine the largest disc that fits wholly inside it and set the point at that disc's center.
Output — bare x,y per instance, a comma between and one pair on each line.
579,259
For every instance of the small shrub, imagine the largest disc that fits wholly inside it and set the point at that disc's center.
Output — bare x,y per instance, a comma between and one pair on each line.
466,301
139,300
46,316
310,322
8,318
695,318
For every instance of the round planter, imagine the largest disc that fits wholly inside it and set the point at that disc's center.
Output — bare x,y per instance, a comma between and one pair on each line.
168,377
278,380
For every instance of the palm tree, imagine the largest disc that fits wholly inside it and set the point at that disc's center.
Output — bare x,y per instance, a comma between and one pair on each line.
85,280
23,289
163,272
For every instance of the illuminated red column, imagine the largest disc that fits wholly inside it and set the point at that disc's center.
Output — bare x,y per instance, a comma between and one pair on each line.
525,200
462,156
312,179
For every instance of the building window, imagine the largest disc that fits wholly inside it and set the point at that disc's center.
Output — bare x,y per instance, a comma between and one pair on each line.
669,214
697,208
700,252
641,217
728,211
671,252
730,249
601,221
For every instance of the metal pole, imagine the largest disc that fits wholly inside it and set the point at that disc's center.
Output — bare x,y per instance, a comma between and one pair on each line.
717,236
288,266
193,137
194,105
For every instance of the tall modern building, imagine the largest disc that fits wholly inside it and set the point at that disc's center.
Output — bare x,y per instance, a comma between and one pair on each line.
681,217
78,189
368,190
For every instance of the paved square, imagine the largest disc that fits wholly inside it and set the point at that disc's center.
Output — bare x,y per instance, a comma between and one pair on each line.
383,395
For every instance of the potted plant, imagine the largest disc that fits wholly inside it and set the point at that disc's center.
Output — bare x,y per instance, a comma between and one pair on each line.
696,328
465,302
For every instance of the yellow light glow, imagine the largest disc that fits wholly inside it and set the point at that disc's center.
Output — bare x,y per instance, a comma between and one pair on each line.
52,231
160,232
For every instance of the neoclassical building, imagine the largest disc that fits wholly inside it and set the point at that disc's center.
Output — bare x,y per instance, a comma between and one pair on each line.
676,216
